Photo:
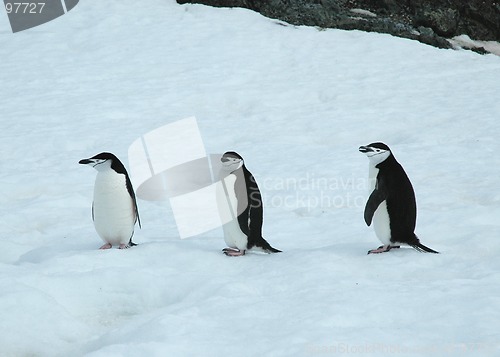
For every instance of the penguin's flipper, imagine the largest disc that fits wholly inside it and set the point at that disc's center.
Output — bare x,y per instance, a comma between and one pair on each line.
137,219
376,198
131,192
136,212
422,248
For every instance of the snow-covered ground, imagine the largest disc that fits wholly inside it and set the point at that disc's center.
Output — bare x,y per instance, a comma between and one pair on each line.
296,103
465,41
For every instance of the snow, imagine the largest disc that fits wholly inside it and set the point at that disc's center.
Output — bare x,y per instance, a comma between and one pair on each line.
296,103
364,12
464,41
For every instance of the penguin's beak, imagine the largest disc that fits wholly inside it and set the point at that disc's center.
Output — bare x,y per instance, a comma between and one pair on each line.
224,159
85,161
365,149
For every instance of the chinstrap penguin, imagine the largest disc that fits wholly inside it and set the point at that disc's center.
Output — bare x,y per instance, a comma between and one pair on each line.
240,201
391,204
114,209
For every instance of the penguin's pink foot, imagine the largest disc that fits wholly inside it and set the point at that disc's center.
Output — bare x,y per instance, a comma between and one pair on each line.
231,252
123,246
106,246
383,249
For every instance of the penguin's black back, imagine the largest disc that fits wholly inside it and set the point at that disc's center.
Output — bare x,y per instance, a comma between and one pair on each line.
251,217
401,203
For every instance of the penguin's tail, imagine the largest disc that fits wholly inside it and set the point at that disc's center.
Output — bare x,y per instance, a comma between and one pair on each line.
422,248
265,246
131,244
274,250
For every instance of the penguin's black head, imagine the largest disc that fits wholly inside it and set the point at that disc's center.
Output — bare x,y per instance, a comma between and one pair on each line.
231,160
231,155
376,152
103,161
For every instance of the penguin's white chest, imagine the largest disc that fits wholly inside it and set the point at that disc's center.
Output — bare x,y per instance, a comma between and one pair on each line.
381,221
227,204
113,209
382,224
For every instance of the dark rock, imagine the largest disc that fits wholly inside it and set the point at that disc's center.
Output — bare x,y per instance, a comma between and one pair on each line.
427,21
480,50
479,19
443,21
428,36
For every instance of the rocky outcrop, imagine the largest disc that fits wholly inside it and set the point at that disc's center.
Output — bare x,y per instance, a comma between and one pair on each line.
428,21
